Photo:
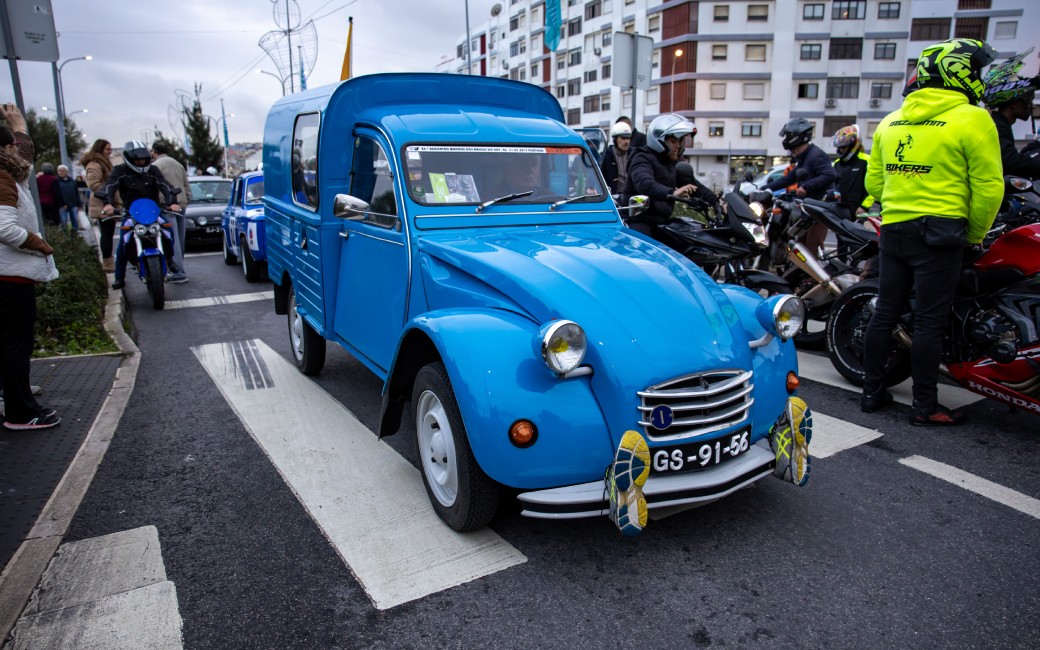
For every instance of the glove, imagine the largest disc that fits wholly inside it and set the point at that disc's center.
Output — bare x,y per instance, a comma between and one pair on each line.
36,243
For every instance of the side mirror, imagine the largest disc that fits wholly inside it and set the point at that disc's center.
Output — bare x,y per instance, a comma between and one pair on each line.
684,173
638,205
800,175
348,207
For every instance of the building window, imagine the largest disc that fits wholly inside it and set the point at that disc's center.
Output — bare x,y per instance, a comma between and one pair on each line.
491,41
629,28
534,70
655,60
606,71
716,129
888,10
872,128
523,74
1005,30
592,104
811,52
626,100
514,24
575,57
574,87
458,51
808,91
832,125
561,91
605,104
574,27
849,10
969,5
718,52
571,3
651,96
846,48
523,45
608,38
971,28
757,12
653,24
536,44
561,62
751,129
812,12
754,91
574,117
755,53
722,13
884,51
593,10
843,88
536,18
718,91
930,29
881,91
494,62
911,67
514,48
514,74
590,75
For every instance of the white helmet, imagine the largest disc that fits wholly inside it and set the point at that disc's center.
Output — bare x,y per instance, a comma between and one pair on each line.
665,125
621,129
212,171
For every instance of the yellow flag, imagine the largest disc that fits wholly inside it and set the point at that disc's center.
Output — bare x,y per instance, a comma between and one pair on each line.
348,61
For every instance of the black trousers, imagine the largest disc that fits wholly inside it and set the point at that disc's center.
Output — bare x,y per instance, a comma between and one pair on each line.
51,213
108,231
17,322
907,262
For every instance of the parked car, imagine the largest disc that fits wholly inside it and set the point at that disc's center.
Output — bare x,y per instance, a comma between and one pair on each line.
243,226
455,237
209,197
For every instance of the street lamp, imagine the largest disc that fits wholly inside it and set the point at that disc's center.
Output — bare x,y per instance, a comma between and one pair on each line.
59,96
215,122
280,80
678,53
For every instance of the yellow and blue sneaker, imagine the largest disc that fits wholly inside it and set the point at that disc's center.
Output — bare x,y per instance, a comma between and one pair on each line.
625,479
789,439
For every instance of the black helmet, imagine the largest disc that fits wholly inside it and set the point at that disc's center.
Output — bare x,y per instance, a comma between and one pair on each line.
955,64
797,132
135,150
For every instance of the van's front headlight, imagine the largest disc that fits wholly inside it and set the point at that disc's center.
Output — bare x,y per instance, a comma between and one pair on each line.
781,315
563,345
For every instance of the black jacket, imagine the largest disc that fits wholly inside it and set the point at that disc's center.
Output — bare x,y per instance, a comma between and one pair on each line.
66,193
133,186
653,174
610,169
638,140
821,173
1015,163
852,177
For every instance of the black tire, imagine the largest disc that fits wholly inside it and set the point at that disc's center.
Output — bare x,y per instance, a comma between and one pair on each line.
229,258
846,329
156,281
477,495
250,267
308,347
801,284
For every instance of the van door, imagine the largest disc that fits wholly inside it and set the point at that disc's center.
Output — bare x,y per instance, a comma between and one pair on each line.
306,221
373,270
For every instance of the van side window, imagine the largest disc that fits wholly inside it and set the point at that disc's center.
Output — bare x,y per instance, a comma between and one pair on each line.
305,161
371,177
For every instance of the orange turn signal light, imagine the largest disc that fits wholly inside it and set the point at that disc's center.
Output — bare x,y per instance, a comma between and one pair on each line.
792,382
523,433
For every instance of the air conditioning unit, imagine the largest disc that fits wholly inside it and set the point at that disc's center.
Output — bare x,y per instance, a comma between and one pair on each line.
831,103
597,51
505,65
875,102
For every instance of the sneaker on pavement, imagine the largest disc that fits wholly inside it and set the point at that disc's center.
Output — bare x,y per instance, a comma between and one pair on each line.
789,439
625,479
872,403
42,421
119,283
171,280
940,416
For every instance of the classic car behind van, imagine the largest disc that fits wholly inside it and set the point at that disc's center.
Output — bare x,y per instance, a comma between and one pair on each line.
242,225
455,236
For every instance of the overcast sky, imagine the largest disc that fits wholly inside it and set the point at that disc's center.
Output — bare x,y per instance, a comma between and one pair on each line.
144,51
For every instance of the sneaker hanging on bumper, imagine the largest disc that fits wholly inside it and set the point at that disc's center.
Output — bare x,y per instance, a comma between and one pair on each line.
625,480
789,439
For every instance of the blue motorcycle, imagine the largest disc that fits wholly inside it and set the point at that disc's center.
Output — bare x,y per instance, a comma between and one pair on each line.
148,246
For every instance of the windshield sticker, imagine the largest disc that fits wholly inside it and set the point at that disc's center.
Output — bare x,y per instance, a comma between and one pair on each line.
418,190
414,155
482,149
569,150
454,188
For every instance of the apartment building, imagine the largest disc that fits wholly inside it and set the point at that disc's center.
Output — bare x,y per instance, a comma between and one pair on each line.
739,68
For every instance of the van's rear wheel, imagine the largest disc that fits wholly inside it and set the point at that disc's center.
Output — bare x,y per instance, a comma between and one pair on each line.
461,493
308,347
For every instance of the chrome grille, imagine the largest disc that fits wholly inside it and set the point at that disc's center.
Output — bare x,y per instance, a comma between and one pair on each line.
702,403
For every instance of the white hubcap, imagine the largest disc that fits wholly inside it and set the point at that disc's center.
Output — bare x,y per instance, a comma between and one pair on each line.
295,328
437,448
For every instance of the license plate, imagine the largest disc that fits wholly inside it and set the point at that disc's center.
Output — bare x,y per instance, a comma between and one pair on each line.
210,229
698,455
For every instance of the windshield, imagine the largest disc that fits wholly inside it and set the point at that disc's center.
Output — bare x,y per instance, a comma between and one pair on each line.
210,191
448,174
254,190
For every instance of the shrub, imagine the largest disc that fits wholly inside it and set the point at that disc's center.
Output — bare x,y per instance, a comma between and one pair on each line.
70,311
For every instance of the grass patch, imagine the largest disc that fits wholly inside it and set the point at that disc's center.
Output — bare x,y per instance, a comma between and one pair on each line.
70,312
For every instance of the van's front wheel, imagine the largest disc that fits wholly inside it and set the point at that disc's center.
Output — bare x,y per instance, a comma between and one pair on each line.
461,493
308,347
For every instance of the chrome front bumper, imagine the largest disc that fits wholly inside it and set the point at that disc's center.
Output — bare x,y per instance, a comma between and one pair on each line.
590,500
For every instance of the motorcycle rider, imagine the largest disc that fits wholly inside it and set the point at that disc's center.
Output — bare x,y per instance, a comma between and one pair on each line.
933,167
851,168
136,178
615,161
651,171
798,135
1009,98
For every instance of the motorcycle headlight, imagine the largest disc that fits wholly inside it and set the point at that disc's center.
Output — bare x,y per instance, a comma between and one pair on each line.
757,231
563,346
154,229
1020,184
203,221
140,230
757,208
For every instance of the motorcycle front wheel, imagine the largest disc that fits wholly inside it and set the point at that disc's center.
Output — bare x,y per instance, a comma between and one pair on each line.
846,332
156,288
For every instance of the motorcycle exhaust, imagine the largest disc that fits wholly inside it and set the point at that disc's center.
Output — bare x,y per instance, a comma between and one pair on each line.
904,339
803,259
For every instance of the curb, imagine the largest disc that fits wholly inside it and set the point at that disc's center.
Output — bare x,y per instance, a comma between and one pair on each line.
23,572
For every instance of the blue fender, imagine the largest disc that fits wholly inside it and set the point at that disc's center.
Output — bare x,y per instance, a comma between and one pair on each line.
498,380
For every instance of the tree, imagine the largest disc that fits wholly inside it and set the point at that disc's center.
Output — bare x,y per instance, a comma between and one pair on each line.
44,133
176,150
205,149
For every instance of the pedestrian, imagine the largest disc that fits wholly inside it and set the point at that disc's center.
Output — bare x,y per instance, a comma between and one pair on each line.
98,165
66,195
45,184
638,138
25,260
935,167
176,176
615,160
851,168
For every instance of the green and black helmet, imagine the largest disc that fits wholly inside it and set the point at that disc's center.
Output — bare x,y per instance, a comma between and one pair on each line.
1003,85
955,64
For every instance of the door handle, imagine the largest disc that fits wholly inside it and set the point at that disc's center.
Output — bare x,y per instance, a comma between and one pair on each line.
345,234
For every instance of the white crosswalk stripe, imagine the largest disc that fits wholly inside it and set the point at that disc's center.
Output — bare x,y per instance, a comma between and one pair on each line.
369,501
220,300
831,435
977,484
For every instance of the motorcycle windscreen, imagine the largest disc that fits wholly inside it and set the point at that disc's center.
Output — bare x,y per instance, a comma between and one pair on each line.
144,211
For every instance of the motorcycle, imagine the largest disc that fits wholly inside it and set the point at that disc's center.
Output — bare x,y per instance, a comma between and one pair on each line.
150,247
992,340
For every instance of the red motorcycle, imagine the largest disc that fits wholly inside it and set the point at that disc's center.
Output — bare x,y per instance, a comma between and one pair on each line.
992,342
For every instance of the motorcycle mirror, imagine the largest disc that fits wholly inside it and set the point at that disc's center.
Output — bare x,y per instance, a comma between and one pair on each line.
684,173
800,175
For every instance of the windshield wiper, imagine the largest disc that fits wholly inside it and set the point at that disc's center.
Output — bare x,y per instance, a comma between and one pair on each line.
574,198
503,199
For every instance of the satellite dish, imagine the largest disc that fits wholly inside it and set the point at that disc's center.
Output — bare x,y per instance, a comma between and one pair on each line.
497,9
